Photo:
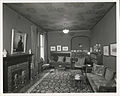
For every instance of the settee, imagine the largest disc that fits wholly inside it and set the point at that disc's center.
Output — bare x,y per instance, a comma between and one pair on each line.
102,79
60,59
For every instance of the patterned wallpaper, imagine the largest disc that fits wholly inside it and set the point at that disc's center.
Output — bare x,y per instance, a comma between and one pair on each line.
57,16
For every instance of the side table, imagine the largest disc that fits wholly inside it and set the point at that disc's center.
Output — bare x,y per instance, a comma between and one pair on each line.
78,80
88,69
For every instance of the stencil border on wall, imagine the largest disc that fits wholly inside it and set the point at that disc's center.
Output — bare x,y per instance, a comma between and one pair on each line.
106,50
52,48
113,49
65,48
58,47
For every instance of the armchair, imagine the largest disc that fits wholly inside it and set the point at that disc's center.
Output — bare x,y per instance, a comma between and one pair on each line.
80,62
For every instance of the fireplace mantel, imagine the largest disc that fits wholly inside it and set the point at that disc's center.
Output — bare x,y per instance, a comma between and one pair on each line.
16,68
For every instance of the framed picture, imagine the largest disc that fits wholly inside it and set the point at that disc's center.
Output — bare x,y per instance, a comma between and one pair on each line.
65,48
113,49
58,47
18,42
52,48
106,50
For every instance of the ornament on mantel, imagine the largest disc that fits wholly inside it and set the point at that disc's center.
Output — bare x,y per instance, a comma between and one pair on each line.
4,53
30,51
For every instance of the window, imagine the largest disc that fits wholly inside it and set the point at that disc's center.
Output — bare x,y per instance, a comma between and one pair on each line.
42,46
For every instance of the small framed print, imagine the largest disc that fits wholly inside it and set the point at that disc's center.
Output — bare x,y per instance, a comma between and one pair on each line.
106,50
58,47
65,48
113,49
52,48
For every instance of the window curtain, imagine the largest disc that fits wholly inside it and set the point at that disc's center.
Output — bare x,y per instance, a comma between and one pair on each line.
35,50
45,46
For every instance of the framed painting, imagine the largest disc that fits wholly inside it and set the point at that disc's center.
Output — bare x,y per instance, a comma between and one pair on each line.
58,47
106,50
113,49
65,48
52,48
18,42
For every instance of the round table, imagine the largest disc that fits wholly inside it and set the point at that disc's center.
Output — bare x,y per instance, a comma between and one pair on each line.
78,80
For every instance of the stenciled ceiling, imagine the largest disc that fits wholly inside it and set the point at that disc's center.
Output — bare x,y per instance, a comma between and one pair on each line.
57,16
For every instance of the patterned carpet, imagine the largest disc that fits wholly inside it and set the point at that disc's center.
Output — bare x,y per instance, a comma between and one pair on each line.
61,81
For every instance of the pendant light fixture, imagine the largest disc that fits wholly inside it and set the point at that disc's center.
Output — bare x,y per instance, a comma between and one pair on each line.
65,31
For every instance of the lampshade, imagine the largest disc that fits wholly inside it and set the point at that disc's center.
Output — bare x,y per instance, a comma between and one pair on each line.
65,31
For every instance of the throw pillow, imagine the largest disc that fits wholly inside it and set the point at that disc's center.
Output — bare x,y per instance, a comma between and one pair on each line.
68,59
109,74
60,59
98,69
101,70
94,69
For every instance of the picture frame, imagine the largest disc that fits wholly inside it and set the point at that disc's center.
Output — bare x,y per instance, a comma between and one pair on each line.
113,49
106,50
52,48
58,47
18,42
65,48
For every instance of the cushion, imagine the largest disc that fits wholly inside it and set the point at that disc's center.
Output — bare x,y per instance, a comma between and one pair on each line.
95,68
60,59
98,69
68,59
109,74
101,70
80,62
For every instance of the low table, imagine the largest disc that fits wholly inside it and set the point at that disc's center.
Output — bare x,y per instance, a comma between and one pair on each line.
79,80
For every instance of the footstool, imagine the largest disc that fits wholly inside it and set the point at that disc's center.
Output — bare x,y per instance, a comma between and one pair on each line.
45,66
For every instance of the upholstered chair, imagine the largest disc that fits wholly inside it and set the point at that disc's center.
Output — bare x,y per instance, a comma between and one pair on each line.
80,64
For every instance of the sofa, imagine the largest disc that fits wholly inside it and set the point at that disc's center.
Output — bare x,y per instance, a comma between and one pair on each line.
102,79
60,59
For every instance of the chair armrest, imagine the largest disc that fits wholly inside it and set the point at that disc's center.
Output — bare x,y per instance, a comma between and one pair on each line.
107,89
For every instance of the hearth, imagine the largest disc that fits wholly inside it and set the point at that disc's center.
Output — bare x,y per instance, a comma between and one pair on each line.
16,72
17,76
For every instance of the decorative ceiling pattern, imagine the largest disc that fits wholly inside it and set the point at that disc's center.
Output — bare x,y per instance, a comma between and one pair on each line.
57,16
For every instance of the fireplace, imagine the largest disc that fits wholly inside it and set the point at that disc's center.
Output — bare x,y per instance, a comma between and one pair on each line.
16,72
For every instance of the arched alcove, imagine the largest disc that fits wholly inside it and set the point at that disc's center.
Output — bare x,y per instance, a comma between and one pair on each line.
80,43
